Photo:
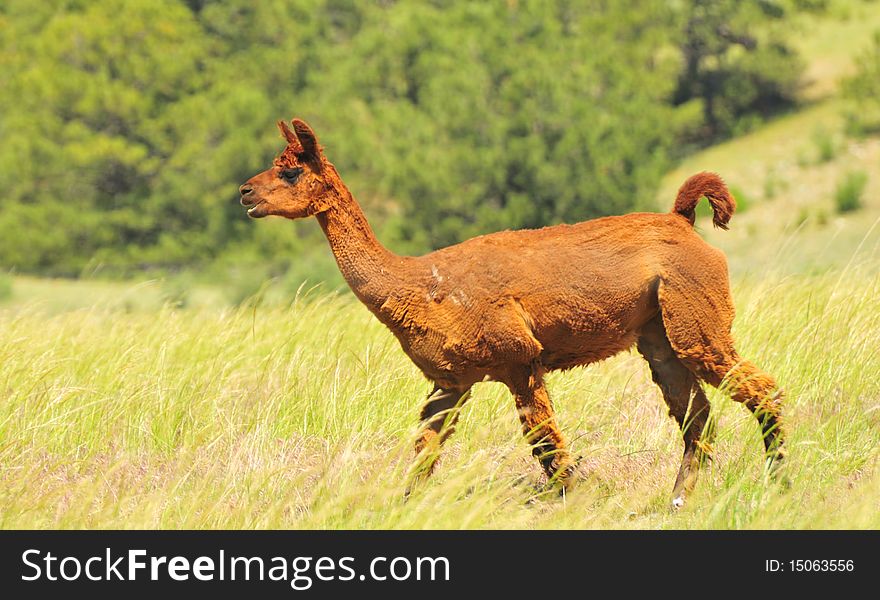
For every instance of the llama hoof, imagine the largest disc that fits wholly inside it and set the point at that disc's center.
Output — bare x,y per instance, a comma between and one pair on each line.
544,489
780,479
412,488
776,471
538,494
677,502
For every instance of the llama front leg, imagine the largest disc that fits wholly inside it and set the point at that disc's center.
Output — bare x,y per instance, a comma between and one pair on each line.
539,425
439,415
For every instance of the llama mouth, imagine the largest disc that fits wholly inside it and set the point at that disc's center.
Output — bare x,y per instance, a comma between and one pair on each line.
253,211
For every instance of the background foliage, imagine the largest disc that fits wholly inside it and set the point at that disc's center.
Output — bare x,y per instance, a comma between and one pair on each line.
863,89
149,401
127,126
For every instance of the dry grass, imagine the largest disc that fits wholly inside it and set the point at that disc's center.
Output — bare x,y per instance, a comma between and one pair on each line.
303,416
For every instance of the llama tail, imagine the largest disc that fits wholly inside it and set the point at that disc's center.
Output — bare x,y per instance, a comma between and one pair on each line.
713,188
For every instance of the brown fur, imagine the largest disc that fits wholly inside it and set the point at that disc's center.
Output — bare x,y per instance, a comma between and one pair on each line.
710,186
512,305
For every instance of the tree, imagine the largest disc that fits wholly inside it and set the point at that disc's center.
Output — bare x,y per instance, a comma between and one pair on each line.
736,63
476,117
128,126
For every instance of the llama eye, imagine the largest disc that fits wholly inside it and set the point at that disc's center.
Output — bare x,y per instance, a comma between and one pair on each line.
291,175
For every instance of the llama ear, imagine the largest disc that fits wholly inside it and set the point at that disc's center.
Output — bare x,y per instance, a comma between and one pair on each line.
291,138
311,152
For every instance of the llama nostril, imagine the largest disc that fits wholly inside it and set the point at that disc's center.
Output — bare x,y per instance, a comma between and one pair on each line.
247,195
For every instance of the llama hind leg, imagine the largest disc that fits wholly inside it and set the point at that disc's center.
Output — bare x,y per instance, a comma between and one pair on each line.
761,395
539,424
686,400
722,367
439,415
748,385
697,315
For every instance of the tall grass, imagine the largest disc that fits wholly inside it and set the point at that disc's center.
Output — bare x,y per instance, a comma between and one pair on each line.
304,415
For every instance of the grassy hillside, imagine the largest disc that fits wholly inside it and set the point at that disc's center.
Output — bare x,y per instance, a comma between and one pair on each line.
829,41
786,172
790,222
53,296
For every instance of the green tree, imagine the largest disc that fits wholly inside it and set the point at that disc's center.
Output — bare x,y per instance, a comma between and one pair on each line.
127,126
475,117
84,111
737,64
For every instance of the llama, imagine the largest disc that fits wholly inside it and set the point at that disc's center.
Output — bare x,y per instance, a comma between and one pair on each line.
512,305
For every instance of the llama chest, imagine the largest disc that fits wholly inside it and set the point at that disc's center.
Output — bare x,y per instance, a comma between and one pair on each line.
453,337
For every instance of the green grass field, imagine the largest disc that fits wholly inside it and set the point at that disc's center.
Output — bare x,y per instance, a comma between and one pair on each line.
304,415
121,409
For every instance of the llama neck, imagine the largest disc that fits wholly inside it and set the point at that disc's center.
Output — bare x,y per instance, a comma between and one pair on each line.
372,271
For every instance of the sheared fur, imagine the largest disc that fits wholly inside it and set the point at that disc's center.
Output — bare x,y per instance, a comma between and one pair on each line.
512,305
712,187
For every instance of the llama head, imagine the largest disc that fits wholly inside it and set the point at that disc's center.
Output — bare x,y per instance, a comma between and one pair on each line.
297,183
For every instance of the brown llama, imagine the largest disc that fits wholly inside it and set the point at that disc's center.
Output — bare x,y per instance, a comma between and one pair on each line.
512,305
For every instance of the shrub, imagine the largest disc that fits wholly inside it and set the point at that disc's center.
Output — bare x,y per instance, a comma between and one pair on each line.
5,286
803,217
176,291
247,285
826,146
704,209
849,190
863,91
773,183
743,202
